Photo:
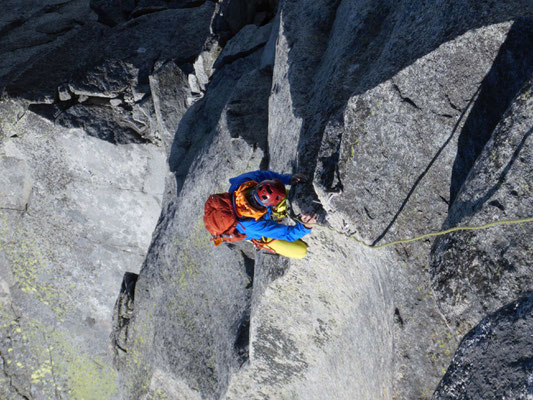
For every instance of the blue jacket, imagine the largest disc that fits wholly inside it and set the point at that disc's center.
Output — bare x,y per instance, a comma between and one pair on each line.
265,226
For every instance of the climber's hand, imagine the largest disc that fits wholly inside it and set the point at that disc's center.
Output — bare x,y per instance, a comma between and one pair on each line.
309,220
298,178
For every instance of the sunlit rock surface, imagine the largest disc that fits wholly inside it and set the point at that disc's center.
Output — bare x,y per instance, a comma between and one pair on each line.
119,118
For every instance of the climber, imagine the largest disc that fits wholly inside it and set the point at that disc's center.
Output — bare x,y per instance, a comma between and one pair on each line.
260,201
252,210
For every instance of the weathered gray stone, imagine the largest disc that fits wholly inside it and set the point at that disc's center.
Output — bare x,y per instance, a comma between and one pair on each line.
403,116
115,102
15,184
397,184
502,339
246,41
170,90
63,252
475,273
315,315
64,93
203,65
207,341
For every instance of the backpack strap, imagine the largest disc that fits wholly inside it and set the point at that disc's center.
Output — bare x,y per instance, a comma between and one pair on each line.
243,208
263,244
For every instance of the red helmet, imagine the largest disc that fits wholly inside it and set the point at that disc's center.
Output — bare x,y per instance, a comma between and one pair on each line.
270,192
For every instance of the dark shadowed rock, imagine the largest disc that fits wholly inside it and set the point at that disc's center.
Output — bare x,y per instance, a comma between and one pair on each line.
474,273
100,120
122,314
171,97
233,15
407,119
192,300
115,12
108,80
246,41
103,63
495,359
161,36
39,76
32,29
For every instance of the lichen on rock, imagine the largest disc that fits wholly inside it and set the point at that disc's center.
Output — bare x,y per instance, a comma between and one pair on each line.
119,118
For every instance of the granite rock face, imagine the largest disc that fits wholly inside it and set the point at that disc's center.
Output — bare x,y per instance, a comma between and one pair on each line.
477,272
70,229
119,118
83,150
505,343
190,309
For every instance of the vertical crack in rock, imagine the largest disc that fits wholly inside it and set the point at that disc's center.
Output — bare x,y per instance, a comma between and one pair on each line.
511,69
427,169
242,342
12,386
122,314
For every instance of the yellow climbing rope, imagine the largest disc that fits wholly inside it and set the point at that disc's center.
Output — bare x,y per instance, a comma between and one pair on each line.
439,233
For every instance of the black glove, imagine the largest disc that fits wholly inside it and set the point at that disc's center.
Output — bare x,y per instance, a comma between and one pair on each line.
298,178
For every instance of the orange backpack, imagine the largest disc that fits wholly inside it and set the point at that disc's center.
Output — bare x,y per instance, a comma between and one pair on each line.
221,220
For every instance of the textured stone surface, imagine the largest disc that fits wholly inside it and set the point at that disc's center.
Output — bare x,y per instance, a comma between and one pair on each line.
331,312
16,184
475,273
189,308
407,118
69,231
502,339
97,63
172,97
246,41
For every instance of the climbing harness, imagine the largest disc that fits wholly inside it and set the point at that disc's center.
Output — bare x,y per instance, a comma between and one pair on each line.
263,244
281,211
